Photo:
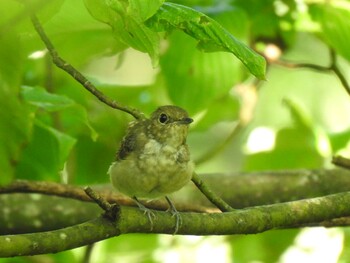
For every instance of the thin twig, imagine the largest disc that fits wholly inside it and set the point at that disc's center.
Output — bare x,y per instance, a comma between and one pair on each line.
110,210
59,62
211,196
294,65
333,67
98,199
88,252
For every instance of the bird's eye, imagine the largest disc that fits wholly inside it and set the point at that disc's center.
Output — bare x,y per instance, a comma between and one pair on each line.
163,118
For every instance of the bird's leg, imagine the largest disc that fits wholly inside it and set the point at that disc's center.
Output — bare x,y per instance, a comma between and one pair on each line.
146,211
175,213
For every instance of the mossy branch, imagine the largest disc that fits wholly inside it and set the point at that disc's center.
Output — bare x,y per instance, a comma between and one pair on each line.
239,190
132,220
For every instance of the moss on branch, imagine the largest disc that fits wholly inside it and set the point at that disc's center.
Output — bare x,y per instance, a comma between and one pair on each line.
132,220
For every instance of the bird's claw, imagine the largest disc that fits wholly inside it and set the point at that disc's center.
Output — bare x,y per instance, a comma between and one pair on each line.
174,212
146,211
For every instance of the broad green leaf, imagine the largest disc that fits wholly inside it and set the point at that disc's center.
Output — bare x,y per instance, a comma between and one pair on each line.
76,119
45,10
195,79
203,77
134,33
210,34
143,9
75,23
39,97
73,114
46,154
272,21
17,14
127,22
335,25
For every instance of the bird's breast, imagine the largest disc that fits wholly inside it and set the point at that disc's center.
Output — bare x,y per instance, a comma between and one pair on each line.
160,157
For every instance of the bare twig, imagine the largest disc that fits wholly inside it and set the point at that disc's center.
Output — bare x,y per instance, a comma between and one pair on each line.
59,62
333,67
88,252
98,199
111,210
212,197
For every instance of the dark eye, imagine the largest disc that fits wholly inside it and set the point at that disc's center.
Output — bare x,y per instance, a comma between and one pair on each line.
163,118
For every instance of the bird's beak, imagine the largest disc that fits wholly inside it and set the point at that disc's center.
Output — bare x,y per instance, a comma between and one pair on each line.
185,121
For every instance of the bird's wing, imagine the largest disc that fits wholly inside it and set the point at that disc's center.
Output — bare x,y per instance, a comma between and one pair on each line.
127,146
134,140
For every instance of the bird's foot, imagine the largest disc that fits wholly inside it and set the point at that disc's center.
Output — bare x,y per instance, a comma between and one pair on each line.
146,211
174,212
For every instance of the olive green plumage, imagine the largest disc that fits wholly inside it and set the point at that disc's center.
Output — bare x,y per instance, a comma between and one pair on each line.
154,159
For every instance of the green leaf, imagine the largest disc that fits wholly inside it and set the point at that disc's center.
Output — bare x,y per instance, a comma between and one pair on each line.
17,14
335,24
210,34
39,97
46,154
73,114
196,76
75,23
44,10
127,21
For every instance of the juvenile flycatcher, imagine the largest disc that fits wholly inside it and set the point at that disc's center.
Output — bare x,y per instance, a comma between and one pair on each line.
153,160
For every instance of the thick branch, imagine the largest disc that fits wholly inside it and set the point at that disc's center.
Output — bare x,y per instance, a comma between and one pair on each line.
57,240
238,190
132,220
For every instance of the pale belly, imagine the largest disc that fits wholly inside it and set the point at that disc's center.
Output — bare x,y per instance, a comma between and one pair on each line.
155,173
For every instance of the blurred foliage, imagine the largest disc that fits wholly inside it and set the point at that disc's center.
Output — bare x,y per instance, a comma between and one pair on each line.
52,129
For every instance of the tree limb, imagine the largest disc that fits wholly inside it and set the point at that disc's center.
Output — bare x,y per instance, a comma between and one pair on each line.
238,190
132,220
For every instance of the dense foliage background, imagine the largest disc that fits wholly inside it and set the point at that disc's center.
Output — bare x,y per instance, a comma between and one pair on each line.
52,129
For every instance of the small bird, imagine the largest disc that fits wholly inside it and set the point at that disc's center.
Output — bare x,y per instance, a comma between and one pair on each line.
154,160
